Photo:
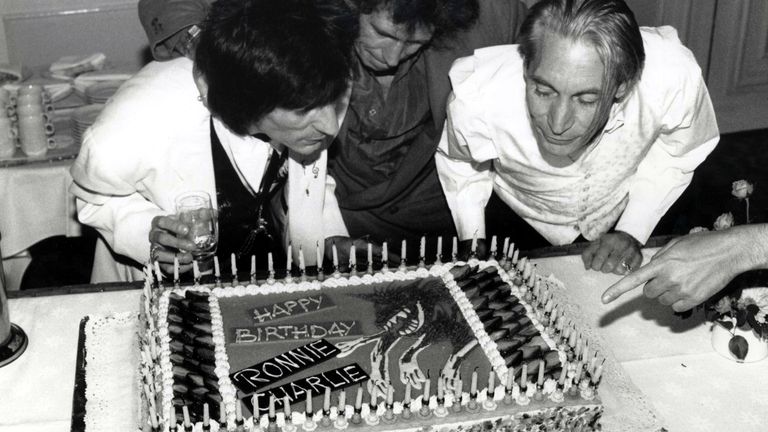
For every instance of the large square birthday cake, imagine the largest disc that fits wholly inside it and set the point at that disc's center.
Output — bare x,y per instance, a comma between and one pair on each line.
455,346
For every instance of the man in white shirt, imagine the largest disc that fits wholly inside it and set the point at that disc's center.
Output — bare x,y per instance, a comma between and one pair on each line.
589,127
269,84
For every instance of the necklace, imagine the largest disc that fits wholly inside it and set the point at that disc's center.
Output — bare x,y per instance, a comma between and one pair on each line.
315,173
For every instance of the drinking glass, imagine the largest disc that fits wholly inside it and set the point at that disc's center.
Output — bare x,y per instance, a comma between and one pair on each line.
195,210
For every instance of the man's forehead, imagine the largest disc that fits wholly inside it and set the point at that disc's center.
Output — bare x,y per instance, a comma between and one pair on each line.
383,21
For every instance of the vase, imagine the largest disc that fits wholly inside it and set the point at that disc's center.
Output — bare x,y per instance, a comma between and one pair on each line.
757,349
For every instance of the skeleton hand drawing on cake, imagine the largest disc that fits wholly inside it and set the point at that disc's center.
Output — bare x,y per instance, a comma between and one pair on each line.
405,322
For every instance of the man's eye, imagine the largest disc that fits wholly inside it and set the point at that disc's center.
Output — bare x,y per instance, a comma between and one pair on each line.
542,93
587,102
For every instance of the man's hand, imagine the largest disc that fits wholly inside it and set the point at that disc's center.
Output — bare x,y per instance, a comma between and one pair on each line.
343,245
167,240
616,252
691,269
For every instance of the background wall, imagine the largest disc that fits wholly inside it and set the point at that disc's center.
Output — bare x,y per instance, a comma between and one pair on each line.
37,32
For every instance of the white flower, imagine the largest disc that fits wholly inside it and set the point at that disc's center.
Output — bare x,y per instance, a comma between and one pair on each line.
742,189
758,297
698,229
724,221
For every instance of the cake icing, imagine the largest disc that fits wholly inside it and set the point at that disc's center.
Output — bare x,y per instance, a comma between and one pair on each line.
440,348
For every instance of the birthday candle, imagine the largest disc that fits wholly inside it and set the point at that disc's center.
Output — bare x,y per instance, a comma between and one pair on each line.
510,378
459,388
493,246
318,257
505,248
374,398
439,247
515,255
308,409
216,268
233,260
359,398
270,263
206,416
425,397
390,396
327,400
335,256
370,255
195,270
474,242
223,413
440,388
540,381
271,408
239,410
175,269
579,370
402,251
342,402
174,421
491,383
158,273
422,247
455,248
289,259
384,253
185,412
473,384
253,266
302,264
287,409
524,376
597,373
585,351
352,256
561,381
407,399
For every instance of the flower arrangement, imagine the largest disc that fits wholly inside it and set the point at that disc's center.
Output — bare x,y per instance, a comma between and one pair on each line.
742,307
747,312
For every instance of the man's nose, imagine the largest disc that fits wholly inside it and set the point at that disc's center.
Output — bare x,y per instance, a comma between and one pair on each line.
560,117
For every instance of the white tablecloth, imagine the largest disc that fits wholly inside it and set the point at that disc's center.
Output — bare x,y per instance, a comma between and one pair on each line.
34,204
669,359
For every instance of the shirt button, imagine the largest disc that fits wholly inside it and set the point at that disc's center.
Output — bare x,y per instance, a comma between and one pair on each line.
372,112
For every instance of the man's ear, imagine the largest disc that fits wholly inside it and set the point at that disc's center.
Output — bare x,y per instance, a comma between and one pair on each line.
202,86
621,91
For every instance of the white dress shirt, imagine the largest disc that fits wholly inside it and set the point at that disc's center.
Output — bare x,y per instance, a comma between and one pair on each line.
152,143
628,177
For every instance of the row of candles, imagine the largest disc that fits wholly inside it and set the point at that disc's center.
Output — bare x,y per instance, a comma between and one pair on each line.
576,387
509,255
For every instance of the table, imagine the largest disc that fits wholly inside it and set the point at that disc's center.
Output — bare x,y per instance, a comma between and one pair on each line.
669,359
35,204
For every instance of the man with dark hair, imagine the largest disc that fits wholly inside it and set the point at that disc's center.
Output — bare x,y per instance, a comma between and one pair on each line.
265,96
382,159
589,128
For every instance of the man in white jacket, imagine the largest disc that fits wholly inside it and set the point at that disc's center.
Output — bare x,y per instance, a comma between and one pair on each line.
269,84
589,128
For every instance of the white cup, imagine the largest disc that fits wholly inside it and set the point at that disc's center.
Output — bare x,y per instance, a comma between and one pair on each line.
8,137
34,89
32,98
35,134
26,109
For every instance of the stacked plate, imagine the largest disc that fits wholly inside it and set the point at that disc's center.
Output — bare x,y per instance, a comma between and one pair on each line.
100,92
83,118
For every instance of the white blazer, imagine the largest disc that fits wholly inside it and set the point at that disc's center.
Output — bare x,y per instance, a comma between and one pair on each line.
152,143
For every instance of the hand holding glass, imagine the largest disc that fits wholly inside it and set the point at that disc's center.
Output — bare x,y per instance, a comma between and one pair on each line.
195,210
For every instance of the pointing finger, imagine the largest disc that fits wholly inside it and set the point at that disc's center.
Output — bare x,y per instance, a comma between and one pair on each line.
630,282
